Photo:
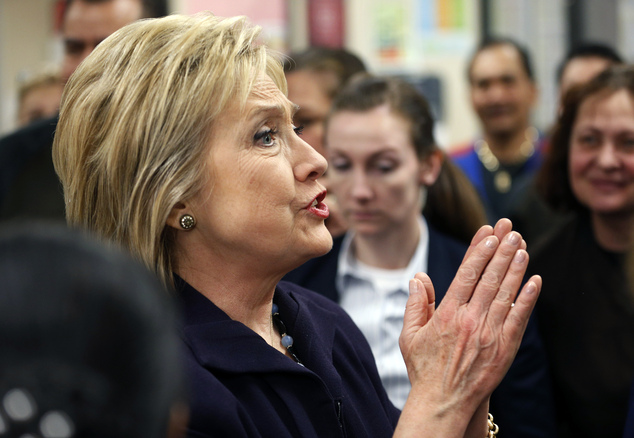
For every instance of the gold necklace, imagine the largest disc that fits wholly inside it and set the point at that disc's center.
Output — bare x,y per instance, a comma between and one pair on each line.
502,179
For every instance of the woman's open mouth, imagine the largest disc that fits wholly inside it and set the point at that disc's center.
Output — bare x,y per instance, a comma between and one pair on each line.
317,206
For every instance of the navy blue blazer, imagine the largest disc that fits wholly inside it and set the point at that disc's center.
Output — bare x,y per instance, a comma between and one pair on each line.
242,387
522,405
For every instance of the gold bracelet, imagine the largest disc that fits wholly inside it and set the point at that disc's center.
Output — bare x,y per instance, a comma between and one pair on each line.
493,428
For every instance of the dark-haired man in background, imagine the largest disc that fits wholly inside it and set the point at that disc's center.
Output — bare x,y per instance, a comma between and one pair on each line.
582,63
29,187
501,163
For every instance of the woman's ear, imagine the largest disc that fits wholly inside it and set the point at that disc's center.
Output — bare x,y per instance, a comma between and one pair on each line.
430,167
173,220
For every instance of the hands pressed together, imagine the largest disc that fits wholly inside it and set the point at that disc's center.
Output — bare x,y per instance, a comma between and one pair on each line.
457,354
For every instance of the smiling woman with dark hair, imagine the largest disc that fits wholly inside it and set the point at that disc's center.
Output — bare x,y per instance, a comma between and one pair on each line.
176,141
589,175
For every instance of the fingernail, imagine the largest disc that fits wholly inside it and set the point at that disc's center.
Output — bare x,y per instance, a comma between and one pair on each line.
531,288
413,287
491,242
520,256
514,238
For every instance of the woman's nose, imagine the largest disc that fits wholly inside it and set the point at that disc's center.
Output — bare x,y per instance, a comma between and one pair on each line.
310,164
607,157
361,188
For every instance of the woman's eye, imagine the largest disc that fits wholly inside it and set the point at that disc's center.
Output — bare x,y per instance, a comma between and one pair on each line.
385,167
588,140
299,130
266,138
628,144
339,165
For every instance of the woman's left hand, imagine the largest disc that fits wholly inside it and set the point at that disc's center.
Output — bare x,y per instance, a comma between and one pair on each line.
457,354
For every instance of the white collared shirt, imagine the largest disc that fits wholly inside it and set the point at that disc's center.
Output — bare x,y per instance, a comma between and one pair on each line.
375,299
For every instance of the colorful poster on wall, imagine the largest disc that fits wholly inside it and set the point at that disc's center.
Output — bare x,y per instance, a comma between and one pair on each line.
405,29
392,29
270,14
442,26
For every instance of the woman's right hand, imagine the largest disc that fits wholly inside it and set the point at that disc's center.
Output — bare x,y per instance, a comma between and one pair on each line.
456,355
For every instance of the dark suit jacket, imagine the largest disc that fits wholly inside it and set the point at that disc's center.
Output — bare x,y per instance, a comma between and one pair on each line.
586,317
522,405
242,387
29,186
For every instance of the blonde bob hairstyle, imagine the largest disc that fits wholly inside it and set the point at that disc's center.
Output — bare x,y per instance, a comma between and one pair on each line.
135,121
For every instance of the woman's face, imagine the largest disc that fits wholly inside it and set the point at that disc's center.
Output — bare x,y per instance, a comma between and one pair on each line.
262,203
374,170
602,153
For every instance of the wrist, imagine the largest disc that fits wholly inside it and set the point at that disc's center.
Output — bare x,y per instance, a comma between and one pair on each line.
426,416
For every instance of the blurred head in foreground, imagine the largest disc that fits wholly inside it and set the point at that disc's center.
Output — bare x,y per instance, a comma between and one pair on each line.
87,340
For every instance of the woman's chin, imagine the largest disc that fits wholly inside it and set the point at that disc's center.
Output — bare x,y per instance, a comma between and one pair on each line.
612,209
318,245
321,244
368,229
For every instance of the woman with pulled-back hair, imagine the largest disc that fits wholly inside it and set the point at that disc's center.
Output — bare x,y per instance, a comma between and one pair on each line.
385,168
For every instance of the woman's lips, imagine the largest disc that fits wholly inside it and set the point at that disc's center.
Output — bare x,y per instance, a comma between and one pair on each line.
361,216
317,206
607,185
